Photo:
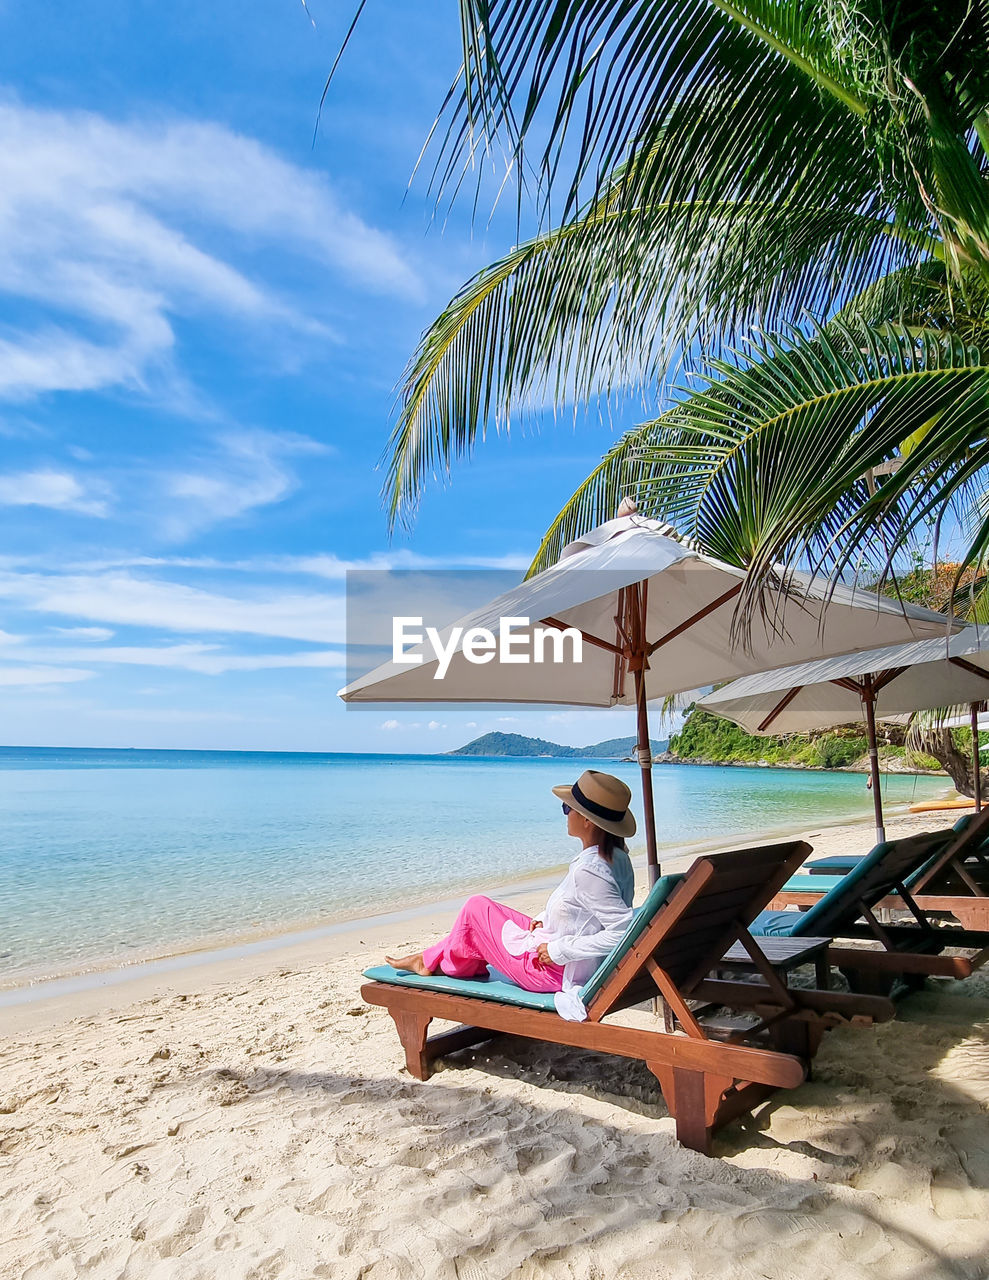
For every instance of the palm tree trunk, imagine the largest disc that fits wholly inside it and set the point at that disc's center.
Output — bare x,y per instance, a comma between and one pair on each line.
940,744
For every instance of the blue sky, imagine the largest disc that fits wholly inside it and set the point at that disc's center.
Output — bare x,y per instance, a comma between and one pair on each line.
204,317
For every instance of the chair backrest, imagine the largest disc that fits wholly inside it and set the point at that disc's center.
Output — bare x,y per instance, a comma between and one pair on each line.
657,896
967,835
889,864
696,921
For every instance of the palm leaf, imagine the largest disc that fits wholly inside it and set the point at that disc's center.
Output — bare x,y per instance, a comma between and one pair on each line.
912,79
609,73
766,465
608,303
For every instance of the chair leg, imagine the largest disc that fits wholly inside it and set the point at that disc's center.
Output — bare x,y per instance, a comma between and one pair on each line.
411,1029
693,1099
868,982
693,1125
799,1036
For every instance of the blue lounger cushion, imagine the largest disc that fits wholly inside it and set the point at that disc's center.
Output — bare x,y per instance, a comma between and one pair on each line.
838,901
643,916
497,987
804,922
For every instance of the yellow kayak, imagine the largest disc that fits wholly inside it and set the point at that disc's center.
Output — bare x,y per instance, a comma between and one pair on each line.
929,806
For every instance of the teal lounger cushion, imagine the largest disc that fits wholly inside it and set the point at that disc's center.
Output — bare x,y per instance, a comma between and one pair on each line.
497,987
821,883
775,924
485,989
837,865
812,884
836,892
643,915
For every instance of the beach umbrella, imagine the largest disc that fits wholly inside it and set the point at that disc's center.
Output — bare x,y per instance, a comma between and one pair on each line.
884,683
654,616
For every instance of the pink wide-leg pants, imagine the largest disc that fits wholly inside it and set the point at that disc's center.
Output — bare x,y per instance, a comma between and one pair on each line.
474,942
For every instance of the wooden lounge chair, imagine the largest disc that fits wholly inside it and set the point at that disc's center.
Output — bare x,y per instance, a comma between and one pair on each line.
971,833
674,941
952,881
845,907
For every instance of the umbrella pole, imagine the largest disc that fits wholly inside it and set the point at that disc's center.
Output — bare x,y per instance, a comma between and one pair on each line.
869,703
976,775
644,753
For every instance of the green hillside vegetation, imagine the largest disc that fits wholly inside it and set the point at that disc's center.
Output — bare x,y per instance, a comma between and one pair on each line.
711,739
517,744
708,737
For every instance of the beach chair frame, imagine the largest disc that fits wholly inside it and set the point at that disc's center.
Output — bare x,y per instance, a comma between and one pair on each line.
954,883
948,884
706,1081
911,951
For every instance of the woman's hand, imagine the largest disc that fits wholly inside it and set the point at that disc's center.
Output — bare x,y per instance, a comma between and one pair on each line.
542,956
535,924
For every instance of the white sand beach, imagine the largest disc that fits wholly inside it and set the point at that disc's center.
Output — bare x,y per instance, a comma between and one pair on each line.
252,1120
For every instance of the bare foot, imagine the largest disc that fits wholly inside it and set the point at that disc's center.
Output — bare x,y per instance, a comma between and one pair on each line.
413,963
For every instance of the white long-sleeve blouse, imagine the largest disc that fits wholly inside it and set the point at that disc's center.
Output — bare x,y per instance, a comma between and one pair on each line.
587,916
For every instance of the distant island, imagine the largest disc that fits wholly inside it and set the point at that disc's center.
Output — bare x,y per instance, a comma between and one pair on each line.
517,744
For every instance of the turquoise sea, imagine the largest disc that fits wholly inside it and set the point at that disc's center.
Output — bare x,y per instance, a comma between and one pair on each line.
111,856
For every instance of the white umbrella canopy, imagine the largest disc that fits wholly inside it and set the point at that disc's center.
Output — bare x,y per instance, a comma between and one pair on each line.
875,684
818,695
650,607
686,619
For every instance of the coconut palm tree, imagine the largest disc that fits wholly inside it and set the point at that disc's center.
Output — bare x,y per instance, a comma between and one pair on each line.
722,174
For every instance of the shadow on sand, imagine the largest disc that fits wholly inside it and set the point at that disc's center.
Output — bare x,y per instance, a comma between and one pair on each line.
892,1159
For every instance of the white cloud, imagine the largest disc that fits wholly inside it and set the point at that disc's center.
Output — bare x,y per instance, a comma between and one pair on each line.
55,489
202,658
390,725
435,724
246,471
326,565
96,225
318,565
124,599
84,633
13,676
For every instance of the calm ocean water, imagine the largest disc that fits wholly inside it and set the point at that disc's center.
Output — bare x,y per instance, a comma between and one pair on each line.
109,856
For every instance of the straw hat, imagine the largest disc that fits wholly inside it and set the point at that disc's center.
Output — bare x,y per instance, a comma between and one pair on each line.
601,798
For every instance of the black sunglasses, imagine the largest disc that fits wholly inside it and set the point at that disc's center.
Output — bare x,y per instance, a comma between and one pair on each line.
566,810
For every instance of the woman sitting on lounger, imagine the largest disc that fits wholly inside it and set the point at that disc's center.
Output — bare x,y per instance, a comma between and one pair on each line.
584,918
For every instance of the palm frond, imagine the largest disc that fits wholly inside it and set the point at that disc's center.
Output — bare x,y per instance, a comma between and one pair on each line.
607,304
606,74
910,81
766,466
